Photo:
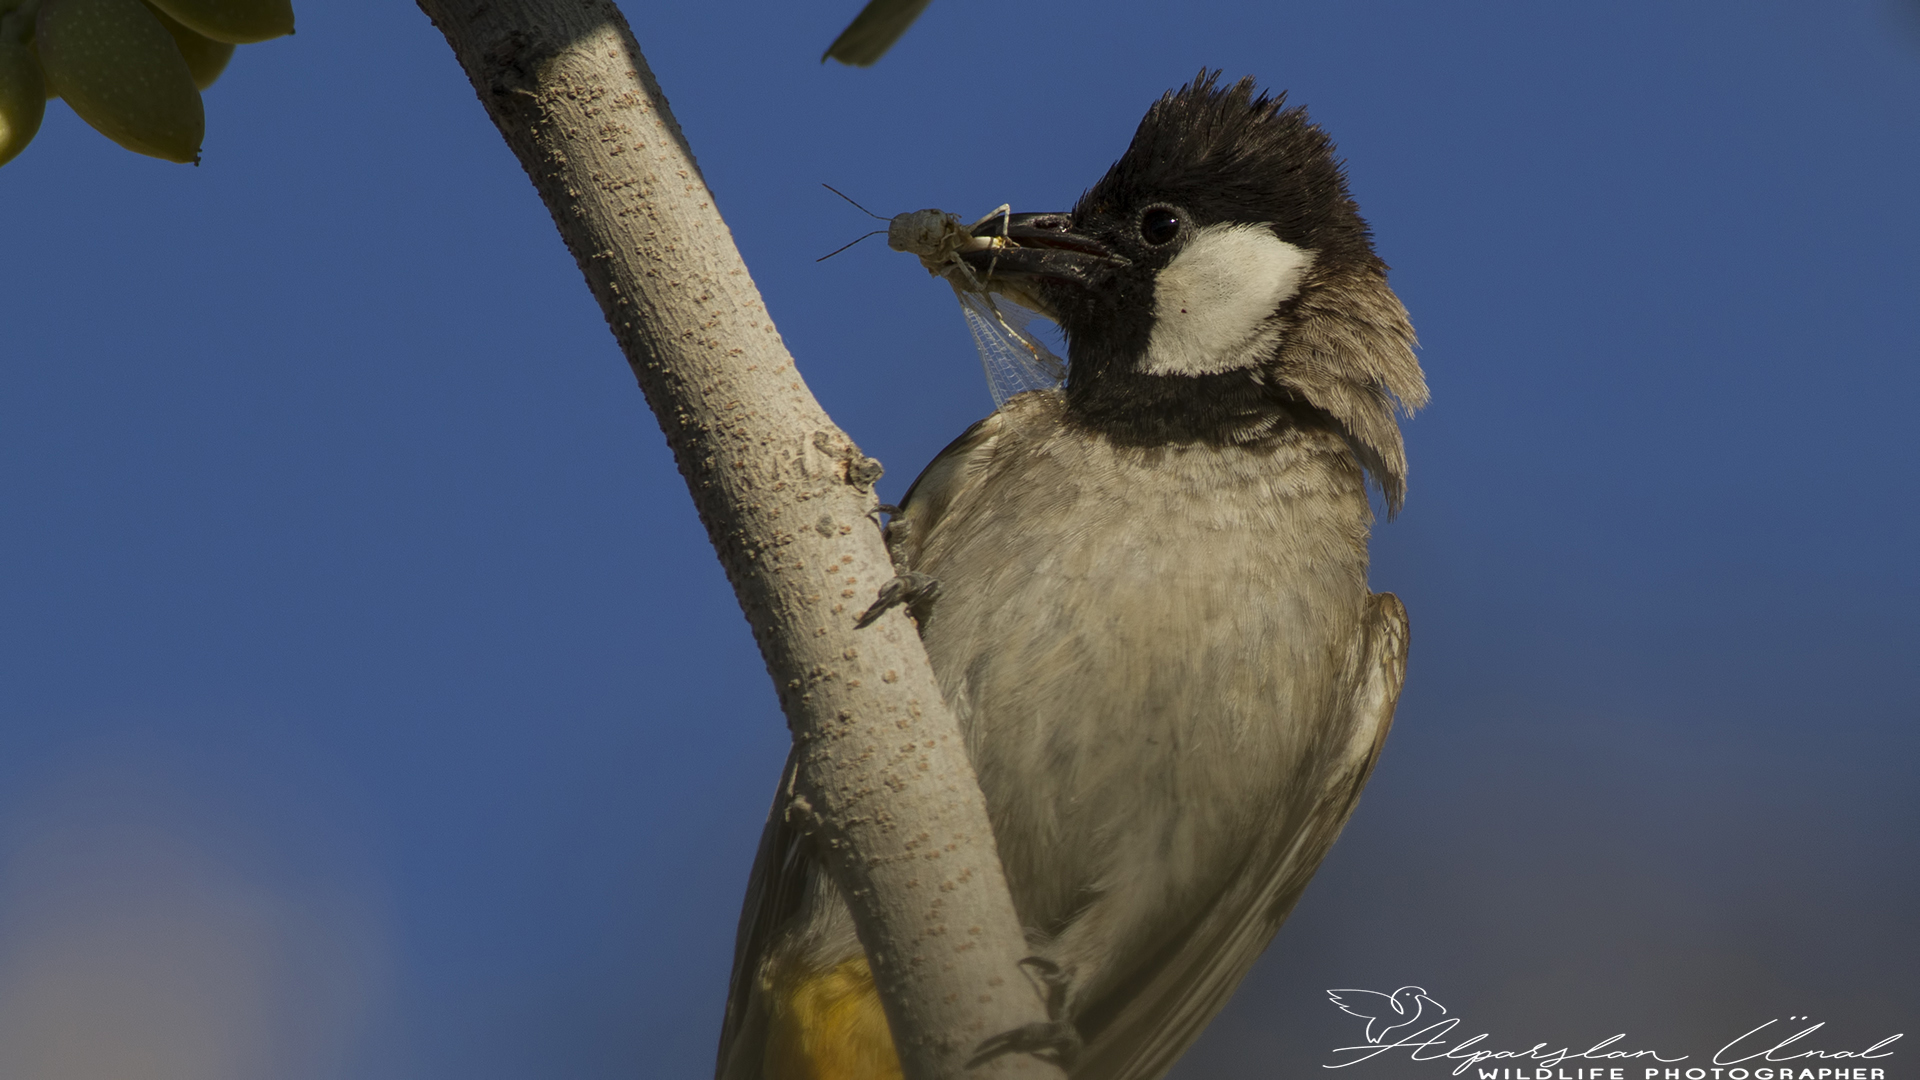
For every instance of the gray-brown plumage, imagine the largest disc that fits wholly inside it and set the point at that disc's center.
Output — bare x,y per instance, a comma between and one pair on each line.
1152,619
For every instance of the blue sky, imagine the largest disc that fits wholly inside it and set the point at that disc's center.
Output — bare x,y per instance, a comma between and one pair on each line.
371,704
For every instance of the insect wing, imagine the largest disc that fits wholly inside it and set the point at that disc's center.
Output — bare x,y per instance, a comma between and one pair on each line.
1015,360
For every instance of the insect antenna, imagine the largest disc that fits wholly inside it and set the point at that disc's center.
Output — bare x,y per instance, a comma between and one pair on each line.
856,205
848,244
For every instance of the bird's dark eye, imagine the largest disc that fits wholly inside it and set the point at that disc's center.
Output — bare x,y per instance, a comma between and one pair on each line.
1159,225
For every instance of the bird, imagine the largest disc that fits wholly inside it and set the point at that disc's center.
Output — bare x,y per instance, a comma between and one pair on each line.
1386,1013
1144,594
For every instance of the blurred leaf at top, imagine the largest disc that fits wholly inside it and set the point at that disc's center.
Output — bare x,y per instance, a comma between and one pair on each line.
872,32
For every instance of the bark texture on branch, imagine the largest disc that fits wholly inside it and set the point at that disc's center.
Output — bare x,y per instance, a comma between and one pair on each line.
788,502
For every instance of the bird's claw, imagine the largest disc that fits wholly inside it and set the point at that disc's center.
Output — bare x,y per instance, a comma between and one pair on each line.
1055,1041
912,589
1052,982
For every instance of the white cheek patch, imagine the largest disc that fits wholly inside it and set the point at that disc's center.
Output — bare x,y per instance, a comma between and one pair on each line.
1210,301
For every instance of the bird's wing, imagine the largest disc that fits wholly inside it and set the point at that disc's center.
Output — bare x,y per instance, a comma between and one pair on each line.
1138,1031
950,472
1388,1006
1360,998
775,891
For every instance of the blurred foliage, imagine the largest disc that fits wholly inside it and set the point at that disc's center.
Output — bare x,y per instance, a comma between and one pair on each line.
133,69
872,32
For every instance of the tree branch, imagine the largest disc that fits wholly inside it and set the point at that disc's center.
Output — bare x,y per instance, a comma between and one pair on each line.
787,500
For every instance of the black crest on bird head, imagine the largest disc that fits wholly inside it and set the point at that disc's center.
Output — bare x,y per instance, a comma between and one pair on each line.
1239,154
1343,349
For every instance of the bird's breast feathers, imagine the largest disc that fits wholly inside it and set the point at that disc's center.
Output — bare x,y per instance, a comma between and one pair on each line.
1108,605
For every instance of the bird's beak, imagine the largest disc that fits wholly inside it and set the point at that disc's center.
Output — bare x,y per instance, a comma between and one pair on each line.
1037,250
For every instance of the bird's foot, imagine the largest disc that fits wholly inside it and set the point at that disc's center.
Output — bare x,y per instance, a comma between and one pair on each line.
1052,982
899,537
912,589
1056,1040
